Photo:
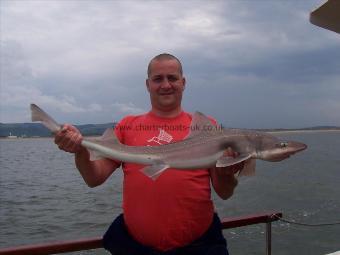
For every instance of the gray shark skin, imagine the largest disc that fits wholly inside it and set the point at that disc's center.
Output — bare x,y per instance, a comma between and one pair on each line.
204,147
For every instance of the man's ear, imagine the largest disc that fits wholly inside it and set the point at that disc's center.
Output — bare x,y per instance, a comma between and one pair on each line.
147,84
184,83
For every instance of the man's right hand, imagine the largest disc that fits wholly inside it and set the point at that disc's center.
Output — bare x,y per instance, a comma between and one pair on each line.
69,139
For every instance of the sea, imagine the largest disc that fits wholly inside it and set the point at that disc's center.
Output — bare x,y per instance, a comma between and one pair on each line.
44,199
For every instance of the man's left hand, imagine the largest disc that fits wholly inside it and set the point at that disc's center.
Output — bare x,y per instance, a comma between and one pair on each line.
233,169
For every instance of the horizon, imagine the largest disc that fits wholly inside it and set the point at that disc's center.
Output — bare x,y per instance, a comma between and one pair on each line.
221,126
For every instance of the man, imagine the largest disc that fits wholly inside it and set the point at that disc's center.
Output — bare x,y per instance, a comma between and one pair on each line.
174,214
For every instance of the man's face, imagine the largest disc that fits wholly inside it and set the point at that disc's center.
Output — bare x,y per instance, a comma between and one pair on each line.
165,85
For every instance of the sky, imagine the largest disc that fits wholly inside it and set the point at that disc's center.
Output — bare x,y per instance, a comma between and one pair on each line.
249,64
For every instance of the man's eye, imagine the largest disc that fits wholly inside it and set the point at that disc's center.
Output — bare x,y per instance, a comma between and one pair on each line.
172,78
157,79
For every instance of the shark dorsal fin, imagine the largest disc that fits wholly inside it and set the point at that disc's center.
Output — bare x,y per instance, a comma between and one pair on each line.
109,137
200,124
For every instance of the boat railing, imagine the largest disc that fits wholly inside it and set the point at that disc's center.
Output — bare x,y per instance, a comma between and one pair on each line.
96,242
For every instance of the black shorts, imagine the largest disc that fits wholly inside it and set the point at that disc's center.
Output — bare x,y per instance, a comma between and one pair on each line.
118,241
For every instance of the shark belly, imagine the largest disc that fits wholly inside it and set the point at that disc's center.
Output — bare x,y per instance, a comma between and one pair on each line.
205,161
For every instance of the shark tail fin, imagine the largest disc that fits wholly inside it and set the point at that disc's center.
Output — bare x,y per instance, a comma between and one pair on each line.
37,114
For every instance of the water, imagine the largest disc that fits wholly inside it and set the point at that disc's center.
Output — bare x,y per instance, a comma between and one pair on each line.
44,199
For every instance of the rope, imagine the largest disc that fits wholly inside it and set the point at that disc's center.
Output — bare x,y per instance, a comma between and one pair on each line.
305,224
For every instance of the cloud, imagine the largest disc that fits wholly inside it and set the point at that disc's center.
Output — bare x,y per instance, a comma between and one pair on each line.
19,88
249,64
127,108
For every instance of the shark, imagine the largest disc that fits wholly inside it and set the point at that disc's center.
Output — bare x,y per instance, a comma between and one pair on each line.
204,147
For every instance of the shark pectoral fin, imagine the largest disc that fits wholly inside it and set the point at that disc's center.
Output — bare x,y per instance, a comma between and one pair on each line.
155,170
249,168
229,161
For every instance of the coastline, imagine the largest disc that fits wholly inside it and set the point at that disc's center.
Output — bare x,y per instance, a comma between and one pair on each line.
284,131
303,131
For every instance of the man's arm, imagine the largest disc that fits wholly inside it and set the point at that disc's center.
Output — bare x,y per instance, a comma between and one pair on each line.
95,172
223,178
223,181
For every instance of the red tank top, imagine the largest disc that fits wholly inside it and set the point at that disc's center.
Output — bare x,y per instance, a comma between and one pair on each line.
175,209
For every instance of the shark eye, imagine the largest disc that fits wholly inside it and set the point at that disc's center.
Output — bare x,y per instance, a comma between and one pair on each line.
283,144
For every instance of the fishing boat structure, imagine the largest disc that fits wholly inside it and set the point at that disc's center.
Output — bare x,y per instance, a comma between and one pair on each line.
96,242
327,16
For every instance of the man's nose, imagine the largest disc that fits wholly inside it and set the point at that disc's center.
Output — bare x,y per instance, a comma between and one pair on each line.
166,83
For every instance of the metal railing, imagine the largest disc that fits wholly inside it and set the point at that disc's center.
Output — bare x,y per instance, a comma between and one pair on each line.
242,221
96,243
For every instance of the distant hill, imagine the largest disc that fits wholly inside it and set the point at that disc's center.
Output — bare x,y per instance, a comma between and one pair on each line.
37,129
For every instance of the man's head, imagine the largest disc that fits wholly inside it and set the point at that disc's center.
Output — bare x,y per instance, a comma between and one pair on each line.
165,56
165,83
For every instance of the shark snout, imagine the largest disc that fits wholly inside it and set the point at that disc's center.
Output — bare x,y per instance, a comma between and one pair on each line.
283,151
296,146
292,148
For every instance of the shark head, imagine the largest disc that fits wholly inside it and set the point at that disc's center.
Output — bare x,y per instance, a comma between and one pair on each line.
280,150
